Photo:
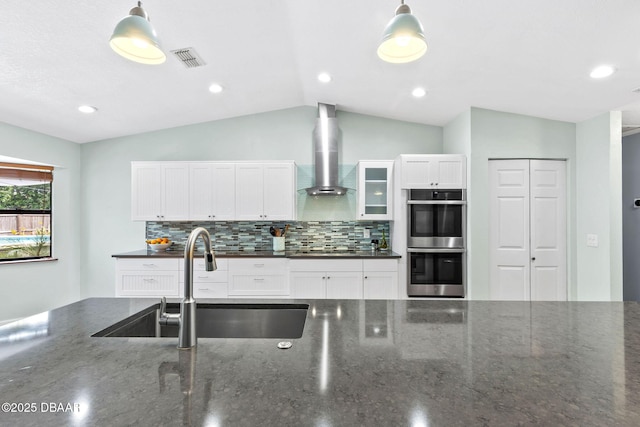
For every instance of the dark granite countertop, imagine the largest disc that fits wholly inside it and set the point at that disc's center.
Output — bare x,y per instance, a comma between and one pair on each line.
359,363
144,253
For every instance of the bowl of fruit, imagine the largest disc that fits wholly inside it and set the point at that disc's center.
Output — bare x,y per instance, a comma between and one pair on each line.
159,244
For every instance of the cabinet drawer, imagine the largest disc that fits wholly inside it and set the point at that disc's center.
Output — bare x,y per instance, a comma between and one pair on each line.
210,290
326,265
218,276
380,265
147,264
257,266
241,285
140,283
198,264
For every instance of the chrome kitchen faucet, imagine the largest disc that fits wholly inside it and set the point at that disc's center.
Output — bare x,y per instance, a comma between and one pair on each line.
186,319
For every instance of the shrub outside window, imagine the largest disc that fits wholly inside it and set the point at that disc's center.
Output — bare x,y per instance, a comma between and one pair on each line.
25,211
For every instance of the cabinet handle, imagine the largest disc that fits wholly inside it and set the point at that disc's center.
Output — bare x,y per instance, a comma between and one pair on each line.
148,280
323,277
149,265
533,259
365,277
328,277
203,277
258,279
258,265
203,289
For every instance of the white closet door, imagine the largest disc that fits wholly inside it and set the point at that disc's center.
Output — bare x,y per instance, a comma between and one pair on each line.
527,230
509,230
548,230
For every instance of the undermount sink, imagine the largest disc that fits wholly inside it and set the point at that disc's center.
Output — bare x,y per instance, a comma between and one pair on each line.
218,321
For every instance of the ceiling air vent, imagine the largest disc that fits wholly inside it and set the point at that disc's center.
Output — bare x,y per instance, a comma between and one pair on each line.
189,57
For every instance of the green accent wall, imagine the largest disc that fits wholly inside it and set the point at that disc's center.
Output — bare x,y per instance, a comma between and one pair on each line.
33,287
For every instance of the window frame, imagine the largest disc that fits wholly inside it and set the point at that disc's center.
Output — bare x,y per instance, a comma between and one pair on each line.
45,171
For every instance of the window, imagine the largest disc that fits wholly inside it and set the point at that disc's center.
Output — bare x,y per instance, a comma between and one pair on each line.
25,211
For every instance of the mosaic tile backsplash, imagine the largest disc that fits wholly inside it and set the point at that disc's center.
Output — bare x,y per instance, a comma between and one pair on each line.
255,236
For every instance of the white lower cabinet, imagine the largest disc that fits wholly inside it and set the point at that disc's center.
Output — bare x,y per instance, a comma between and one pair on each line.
207,284
344,285
260,278
339,279
257,277
380,279
139,277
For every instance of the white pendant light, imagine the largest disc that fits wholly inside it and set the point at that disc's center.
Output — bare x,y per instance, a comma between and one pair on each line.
403,38
135,39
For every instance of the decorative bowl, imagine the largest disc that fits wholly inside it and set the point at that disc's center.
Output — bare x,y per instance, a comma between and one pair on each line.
156,247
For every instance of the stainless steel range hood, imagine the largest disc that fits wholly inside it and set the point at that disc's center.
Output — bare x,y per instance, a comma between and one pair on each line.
325,146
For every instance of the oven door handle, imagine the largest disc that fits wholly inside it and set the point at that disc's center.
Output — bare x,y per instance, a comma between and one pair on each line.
436,202
436,250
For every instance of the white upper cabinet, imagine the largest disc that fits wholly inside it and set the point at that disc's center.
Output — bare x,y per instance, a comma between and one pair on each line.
212,191
265,191
159,191
444,171
374,190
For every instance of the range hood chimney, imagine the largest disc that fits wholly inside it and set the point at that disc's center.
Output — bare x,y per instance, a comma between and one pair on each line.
325,146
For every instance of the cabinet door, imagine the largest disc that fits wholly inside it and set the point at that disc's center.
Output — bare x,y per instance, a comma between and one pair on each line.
249,192
374,191
224,191
146,192
175,191
212,191
308,285
279,192
380,285
344,285
201,191
450,173
418,171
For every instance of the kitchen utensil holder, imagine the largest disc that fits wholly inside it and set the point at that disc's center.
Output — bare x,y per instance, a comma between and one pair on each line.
278,244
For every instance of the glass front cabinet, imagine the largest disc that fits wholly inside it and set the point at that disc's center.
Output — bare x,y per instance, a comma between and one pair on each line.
374,190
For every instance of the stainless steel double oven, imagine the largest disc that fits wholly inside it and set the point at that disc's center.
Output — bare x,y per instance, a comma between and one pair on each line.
436,247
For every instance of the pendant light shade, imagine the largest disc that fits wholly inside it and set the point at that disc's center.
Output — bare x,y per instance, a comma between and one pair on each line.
135,39
403,38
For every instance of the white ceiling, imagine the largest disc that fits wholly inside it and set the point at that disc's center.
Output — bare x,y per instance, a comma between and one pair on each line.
519,56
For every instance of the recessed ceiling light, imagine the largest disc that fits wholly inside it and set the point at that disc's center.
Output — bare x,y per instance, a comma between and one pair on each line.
324,77
418,92
215,88
87,109
602,71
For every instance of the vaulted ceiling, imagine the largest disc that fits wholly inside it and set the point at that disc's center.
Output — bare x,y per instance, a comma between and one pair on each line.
524,57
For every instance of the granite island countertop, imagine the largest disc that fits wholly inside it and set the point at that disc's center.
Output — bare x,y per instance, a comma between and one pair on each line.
145,253
358,363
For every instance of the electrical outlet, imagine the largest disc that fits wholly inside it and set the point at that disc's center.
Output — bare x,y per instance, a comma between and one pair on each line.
367,233
592,240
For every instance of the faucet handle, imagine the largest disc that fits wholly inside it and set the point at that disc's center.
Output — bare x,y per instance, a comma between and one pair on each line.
164,318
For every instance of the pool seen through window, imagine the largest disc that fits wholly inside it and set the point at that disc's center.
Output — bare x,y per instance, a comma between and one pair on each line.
25,211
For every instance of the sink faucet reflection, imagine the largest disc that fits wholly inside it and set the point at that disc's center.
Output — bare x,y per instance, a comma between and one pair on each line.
186,319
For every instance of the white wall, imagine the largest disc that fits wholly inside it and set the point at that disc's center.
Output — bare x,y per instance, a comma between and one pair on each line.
496,135
277,135
599,207
29,288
